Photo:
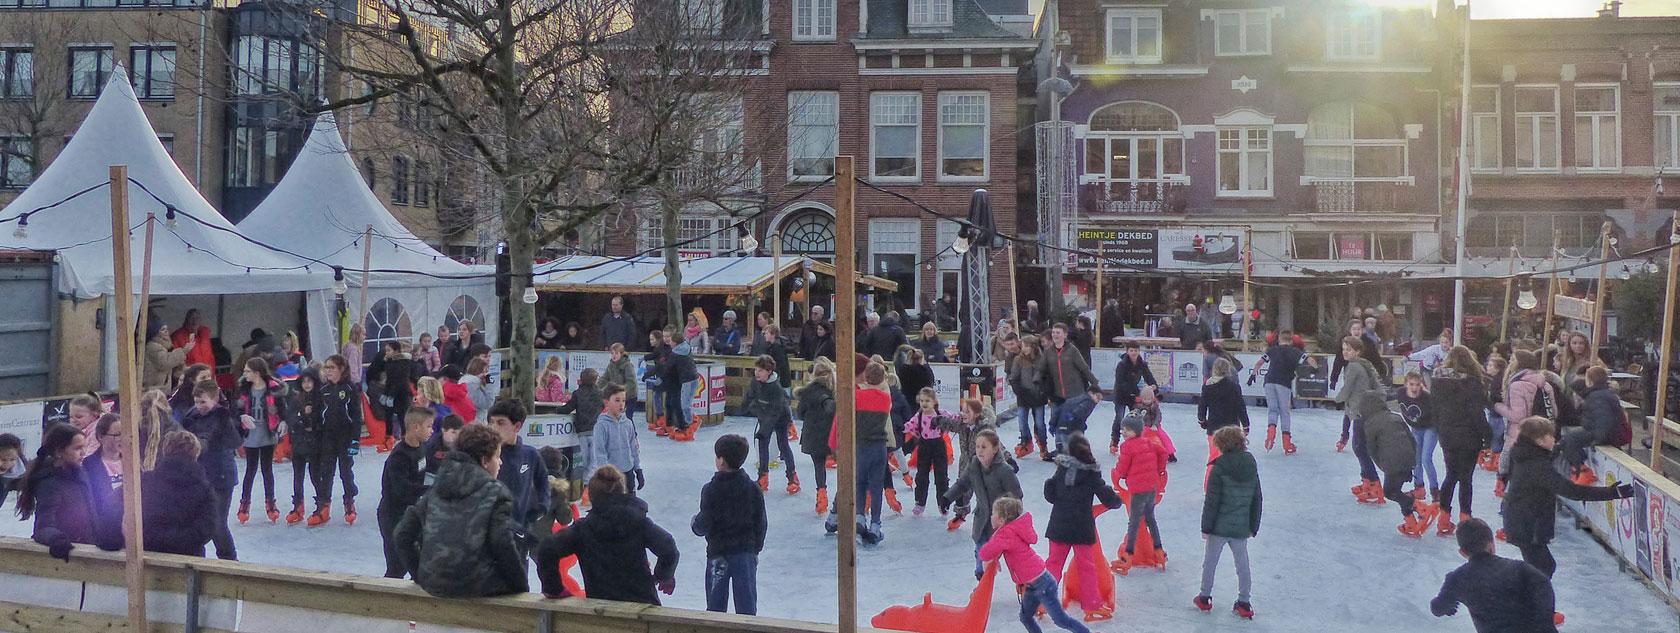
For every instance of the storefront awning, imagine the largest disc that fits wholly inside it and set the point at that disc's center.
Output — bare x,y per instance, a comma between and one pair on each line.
706,276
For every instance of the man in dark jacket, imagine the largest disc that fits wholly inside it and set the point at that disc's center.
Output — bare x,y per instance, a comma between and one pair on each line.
1069,374
1195,329
617,326
1503,595
883,340
523,471
612,545
808,339
1601,414
1131,370
733,522
1531,497
726,339
458,540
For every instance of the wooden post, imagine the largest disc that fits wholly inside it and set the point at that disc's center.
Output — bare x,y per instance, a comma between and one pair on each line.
367,261
1663,367
1097,327
1014,299
1510,282
776,265
128,392
1551,297
1603,271
1248,297
140,346
845,405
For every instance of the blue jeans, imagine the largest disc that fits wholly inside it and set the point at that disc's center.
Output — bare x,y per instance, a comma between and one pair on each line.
1426,441
1042,592
1033,425
738,571
1279,400
1367,467
871,478
1496,423
679,406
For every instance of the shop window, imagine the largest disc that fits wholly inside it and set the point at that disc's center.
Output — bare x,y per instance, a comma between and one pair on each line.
1312,245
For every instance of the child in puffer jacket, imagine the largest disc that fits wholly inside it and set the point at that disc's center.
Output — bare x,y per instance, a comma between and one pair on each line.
1013,542
1143,467
927,429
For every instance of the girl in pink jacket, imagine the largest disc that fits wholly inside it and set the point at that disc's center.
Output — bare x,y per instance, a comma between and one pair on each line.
1013,542
927,430
1525,383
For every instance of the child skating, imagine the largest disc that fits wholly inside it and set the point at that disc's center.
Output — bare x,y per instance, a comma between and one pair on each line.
1230,516
1071,491
927,429
766,401
1013,542
1143,468
1394,451
1418,410
987,476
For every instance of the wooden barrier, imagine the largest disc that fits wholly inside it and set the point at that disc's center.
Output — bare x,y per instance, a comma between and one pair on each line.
1638,531
339,601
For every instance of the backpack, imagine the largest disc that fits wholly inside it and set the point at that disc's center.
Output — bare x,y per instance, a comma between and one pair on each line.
1544,404
1622,435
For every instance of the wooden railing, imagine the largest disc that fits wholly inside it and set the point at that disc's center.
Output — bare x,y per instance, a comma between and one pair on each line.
41,594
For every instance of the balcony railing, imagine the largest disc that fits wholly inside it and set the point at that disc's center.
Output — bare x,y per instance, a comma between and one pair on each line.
1351,196
1120,197
724,177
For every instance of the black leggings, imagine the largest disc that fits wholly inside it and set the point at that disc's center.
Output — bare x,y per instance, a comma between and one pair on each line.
223,537
1461,469
930,456
259,458
303,467
1540,556
1392,483
394,415
345,464
819,465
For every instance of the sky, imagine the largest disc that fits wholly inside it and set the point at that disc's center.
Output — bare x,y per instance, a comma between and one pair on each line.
1505,9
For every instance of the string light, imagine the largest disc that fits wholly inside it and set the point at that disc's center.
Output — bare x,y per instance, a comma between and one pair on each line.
339,287
1651,266
749,244
22,231
1626,274
169,217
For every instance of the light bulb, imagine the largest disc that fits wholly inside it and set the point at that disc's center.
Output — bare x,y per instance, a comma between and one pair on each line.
1652,267
339,287
530,295
1626,274
169,218
1526,299
22,231
748,243
1228,304
960,246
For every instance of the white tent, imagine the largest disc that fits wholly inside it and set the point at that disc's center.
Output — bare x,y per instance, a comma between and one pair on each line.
201,254
321,210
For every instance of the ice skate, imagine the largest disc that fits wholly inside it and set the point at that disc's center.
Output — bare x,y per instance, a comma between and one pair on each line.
273,512
296,515
323,514
793,430
918,511
1243,610
822,501
1203,603
1499,488
793,484
832,523
764,482
1557,618
1413,527
349,512
244,512
829,463
1418,492
1341,444
1435,496
870,534
1114,448
1122,564
1043,451
1486,461
955,523
1100,614
1368,491
892,501
909,482
1444,526
1023,449
1271,436
1288,444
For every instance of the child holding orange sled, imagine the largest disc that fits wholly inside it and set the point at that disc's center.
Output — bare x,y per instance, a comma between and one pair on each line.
1076,483
1143,466
1013,542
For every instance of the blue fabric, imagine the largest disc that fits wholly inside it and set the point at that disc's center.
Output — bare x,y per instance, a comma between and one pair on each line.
871,477
1496,423
1426,439
732,571
1032,427
1042,592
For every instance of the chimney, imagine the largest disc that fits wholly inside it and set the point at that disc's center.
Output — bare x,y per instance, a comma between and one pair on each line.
1611,9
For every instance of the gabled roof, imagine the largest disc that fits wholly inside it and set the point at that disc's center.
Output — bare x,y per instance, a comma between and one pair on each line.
890,20
200,254
322,205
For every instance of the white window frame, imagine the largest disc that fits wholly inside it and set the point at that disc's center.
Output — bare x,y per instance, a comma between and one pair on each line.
720,240
1593,119
1485,128
1352,144
1671,116
897,236
1342,33
929,14
1245,19
1245,148
1531,121
802,102
1132,56
947,99
813,20
879,119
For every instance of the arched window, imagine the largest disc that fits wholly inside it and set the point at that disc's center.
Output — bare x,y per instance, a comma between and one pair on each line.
809,232
386,320
464,308
1134,142
1354,141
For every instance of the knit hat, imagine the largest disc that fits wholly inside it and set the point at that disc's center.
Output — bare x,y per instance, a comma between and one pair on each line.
1133,423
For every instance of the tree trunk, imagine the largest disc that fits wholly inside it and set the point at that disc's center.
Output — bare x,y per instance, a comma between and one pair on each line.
521,248
668,211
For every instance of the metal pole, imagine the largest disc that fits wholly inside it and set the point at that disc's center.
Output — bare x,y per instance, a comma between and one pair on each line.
128,390
1098,326
367,262
845,405
776,265
1463,181
1248,281
1551,294
1053,233
1510,281
1664,366
1598,301
1014,298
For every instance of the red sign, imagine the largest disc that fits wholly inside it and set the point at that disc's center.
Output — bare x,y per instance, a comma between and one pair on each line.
1350,246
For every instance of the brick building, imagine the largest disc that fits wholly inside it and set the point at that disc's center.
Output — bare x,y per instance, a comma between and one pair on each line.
923,93
1574,122
1314,134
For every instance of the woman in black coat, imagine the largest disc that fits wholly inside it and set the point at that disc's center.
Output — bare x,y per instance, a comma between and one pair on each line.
103,471
1222,400
612,544
179,508
1531,498
1459,391
1076,484
914,373
55,493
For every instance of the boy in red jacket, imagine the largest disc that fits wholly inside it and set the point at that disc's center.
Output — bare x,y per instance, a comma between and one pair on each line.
1143,467
1014,541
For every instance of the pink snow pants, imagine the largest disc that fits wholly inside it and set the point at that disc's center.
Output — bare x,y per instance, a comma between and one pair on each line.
1089,599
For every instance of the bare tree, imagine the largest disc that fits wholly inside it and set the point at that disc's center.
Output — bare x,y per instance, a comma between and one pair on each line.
563,108
37,112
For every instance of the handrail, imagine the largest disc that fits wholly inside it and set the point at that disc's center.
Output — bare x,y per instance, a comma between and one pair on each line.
168,578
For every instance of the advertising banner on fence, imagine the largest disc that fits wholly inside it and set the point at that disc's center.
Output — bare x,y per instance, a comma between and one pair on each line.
1641,530
550,430
23,420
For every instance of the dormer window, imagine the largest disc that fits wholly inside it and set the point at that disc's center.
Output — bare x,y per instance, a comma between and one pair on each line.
1134,36
930,14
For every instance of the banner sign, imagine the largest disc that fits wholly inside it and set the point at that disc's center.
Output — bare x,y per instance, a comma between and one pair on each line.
1120,247
550,430
1640,530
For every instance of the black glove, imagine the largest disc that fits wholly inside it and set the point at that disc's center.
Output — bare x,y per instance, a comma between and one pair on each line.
1251,380
60,549
1624,491
640,480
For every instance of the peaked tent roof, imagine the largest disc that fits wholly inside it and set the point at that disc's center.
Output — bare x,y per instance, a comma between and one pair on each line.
321,207
202,254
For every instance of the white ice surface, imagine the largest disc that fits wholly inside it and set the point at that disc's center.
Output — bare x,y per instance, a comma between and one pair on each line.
1321,561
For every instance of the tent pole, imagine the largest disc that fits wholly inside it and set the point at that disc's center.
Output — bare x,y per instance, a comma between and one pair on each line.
1097,327
367,262
139,351
1667,350
845,407
1014,298
1598,305
1551,299
776,265
128,390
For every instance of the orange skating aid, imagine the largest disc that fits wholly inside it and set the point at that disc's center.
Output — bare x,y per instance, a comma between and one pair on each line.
1146,555
928,617
1105,579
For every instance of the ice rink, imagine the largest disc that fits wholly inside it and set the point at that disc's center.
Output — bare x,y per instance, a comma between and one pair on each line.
1321,561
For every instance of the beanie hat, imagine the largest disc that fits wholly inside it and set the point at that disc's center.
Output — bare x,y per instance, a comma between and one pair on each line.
1134,424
